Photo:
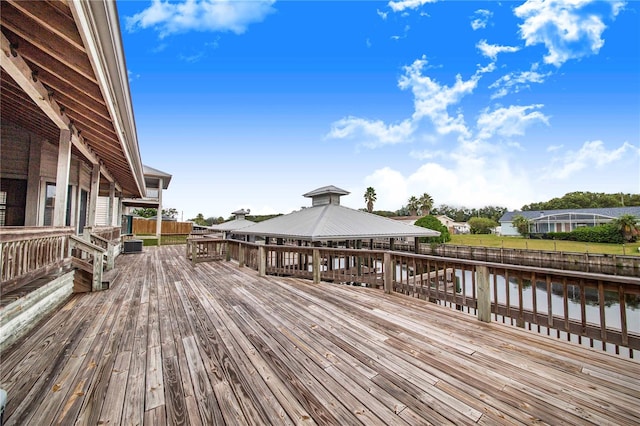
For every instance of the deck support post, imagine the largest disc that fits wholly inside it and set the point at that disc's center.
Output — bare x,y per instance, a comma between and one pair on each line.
316,266
484,293
62,178
240,255
262,261
388,273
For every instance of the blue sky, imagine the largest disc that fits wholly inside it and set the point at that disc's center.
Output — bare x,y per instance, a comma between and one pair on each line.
250,104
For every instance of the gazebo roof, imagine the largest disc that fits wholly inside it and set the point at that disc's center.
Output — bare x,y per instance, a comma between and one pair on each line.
332,222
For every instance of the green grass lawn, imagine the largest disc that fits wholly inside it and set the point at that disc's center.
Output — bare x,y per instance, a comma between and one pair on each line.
548,245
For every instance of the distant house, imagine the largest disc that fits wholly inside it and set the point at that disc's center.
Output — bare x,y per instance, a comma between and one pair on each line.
564,220
453,226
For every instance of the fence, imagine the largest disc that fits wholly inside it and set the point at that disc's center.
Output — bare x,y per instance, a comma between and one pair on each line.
146,226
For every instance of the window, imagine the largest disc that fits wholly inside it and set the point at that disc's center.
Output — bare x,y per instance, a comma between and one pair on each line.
50,204
3,207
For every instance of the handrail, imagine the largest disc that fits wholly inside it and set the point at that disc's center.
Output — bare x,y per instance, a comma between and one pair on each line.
29,253
504,292
90,257
24,233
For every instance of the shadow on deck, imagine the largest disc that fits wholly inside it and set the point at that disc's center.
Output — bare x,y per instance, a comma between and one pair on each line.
171,343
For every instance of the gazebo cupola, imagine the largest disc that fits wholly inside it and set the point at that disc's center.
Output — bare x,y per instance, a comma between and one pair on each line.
240,214
326,195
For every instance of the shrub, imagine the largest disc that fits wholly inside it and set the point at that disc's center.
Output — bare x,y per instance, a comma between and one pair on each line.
482,225
432,222
598,234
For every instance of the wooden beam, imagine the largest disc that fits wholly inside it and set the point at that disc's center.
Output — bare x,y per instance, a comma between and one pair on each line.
17,68
46,41
62,178
52,18
93,196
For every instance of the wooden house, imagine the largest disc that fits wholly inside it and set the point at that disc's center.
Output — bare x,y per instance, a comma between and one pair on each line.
68,138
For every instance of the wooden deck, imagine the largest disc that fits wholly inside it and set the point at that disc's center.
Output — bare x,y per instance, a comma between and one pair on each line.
171,343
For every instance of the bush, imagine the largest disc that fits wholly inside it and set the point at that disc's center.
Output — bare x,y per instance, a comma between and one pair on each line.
598,234
432,222
607,234
482,225
561,236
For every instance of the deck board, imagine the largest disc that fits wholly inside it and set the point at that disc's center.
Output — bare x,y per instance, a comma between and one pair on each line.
172,343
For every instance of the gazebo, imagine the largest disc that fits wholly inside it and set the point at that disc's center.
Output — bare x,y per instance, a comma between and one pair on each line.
328,223
239,222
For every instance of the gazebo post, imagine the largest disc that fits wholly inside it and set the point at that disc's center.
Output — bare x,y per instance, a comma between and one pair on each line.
388,273
316,264
359,258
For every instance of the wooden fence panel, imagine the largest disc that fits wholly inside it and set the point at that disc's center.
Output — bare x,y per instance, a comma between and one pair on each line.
145,226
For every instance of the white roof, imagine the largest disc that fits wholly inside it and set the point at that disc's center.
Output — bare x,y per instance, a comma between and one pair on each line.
332,222
232,225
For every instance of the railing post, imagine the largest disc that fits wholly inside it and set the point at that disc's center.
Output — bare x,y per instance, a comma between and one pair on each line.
110,257
484,293
262,261
194,252
228,253
316,266
388,273
97,271
240,255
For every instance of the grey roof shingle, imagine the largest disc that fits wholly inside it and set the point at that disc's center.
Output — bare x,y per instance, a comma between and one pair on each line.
607,211
334,223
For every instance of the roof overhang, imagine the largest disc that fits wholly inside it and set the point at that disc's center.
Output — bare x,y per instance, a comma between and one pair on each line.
140,202
63,67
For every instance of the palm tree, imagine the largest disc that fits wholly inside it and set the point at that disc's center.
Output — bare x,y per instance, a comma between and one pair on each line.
413,205
370,198
425,203
627,224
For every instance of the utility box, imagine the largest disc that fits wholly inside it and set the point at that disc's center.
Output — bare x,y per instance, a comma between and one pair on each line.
132,246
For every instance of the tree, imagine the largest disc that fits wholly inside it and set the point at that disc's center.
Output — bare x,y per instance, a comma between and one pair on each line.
432,222
522,224
425,203
482,225
627,225
584,200
413,205
142,212
199,219
170,212
370,198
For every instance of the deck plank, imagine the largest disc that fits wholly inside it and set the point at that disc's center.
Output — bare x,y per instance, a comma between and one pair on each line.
173,343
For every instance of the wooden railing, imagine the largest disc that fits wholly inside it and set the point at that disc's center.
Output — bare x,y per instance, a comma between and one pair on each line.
587,308
203,249
610,264
109,233
27,253
88,257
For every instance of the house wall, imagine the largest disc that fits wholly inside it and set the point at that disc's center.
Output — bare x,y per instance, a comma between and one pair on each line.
28,156
507,229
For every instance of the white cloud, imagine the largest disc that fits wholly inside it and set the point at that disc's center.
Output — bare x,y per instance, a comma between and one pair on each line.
200,15
472,181
431,100
482,17
561,25
591,154
399,6
371,133
515,82
552,148
508,122
492,50
382,14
